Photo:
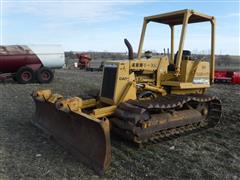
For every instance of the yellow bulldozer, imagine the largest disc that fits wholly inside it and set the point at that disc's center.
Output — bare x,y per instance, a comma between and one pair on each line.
142,100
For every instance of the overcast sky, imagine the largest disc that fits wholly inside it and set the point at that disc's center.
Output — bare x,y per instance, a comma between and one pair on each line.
102,25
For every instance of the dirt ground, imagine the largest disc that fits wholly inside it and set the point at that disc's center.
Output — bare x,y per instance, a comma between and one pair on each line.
25,152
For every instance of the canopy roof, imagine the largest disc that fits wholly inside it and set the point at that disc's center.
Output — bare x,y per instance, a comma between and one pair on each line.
176,17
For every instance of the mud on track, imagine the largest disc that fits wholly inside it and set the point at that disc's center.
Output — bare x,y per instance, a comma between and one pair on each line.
26,153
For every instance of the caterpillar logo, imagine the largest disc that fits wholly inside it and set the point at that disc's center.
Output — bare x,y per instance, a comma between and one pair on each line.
123,78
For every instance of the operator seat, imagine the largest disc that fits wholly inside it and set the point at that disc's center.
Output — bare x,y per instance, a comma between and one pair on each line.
185,55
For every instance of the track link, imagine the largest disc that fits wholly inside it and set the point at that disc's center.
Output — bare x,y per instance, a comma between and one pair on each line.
133,120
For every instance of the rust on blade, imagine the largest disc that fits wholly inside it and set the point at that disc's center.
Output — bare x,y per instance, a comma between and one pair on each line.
85,137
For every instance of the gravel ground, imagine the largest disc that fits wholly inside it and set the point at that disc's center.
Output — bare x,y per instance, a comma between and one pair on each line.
25,152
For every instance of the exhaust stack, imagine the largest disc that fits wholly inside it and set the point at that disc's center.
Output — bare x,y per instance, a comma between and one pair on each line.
130,49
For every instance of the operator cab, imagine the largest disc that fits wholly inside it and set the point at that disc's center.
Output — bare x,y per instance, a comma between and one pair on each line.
181,62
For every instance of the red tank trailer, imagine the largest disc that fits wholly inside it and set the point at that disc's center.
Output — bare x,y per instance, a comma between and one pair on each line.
227,77
26,64
83,60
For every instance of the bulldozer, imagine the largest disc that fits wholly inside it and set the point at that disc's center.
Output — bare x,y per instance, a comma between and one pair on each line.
141,100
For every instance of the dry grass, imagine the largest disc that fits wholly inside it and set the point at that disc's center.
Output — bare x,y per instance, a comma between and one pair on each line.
26,153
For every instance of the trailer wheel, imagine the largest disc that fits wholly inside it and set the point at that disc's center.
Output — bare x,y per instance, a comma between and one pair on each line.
24,75
44,75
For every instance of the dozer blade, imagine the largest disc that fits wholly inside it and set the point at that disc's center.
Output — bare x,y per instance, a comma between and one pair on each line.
84,136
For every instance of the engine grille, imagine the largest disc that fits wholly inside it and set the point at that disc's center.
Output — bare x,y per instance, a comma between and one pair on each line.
108,84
